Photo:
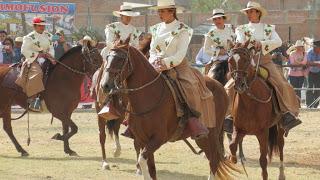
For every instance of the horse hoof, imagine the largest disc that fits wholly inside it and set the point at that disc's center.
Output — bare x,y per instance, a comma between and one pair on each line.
105,166
138,172
24,154
57,137
233,159
74,154
117,153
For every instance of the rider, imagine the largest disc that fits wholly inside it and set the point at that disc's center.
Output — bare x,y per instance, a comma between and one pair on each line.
264,38
169,45
218,41
37,47
113,31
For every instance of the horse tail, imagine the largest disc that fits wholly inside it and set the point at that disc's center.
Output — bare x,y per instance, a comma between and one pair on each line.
110,126
225,169
17,118
273,142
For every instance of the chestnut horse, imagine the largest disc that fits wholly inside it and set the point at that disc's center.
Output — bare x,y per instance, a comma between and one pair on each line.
254,112
152,115
61,95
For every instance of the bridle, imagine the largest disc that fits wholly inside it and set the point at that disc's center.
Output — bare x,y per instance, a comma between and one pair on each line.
87,59
120,85
235,74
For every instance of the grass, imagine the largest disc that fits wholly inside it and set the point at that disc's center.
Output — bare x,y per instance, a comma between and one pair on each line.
173,161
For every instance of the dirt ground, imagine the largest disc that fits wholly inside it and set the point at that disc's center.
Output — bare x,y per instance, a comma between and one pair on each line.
173,161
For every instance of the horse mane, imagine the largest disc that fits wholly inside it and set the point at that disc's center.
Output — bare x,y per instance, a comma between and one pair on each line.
70,52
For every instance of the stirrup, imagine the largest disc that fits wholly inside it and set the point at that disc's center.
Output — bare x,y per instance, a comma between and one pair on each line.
35,105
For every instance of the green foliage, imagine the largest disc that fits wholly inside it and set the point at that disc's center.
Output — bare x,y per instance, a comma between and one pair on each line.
94,34
205,6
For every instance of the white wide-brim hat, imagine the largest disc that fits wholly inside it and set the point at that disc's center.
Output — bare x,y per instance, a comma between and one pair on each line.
167,4
18,39
126,10
257,6
88,38
218,13
299,43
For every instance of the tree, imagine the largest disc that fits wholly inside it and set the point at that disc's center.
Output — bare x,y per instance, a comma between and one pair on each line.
206,6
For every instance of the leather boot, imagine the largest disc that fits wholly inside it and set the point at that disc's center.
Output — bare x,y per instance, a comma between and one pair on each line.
228,125
196,129
108,112
35,104
127,133
288,122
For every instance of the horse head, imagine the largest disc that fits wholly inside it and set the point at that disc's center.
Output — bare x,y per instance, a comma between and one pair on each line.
241,66
119,67
92,58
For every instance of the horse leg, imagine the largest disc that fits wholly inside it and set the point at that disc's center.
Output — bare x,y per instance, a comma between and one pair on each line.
8,128
236,138
241,155
263,142
117,151
102,139
281,145
137,147
148,168
67,135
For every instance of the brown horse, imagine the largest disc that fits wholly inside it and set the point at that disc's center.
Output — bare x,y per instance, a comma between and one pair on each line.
253,109
62,93
152,114
113,126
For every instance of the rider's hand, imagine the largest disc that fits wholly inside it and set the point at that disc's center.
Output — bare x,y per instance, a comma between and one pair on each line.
159,65
258,45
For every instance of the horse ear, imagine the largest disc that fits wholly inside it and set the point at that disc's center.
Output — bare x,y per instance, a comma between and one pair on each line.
230,44
126,42
246,44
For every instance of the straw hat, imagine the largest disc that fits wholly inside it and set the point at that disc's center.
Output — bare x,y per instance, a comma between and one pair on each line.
299,43
18,39
39,20
60,32
126,10
218,13
167,4
255,5
88,38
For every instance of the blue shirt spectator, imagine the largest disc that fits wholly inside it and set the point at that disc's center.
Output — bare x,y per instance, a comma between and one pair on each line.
313,57
17,49
202,58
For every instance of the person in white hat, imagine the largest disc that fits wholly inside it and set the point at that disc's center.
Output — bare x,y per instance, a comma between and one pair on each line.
263,37
115,31
168,48
36,48
297,56
218,41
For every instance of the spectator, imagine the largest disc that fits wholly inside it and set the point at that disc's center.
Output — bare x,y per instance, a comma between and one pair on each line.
3,36
313,56
297,56
7,51
17,49
61,46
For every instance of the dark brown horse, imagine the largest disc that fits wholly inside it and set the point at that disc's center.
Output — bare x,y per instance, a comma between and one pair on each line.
253,110
61,95
152,114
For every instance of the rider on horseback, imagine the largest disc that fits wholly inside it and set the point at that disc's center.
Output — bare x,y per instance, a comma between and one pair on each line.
263,37
37,47
118,31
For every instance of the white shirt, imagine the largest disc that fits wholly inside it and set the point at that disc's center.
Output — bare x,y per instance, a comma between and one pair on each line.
216,38
264,33
34,42
123,31
170,42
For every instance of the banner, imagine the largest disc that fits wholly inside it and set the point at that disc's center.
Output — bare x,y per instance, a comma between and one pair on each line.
38,7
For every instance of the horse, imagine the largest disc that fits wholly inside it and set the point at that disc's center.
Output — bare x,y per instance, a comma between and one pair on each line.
152,111
113,126
254,110
61,94
219,71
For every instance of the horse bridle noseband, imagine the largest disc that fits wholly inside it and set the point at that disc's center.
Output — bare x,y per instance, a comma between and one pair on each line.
234,74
